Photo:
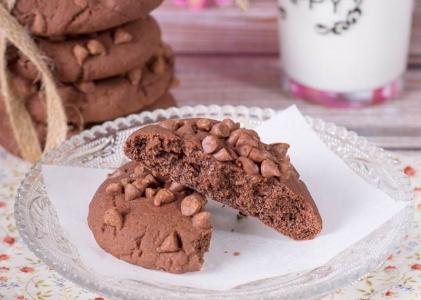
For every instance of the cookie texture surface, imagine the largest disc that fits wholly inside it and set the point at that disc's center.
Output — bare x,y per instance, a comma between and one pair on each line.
231,165
72,17
103,100
109,53
150,221
88,103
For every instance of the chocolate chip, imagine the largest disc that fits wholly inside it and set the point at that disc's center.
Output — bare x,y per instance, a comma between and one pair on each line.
279,150
246,139
139,171
232,153
234,136
175,83
113,218
171,124
135,76
170,244
223,155
244,150
160,178
186,129
231,124
126,181
117,172
192,204
220,130
204,124
95,47
141,185
285,168
114,189
211,144
80,53
39,26
86,87
121,37
167,51
202,220
164,196
149,193
151,181
158,67
269,169
248,165
176,187
257,155
131,192
153,143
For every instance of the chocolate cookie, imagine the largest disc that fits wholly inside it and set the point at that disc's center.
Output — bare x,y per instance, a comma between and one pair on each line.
149,221
105,100
230,165
70,17
110,53
90,102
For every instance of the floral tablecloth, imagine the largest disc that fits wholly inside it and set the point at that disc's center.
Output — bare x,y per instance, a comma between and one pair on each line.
24,276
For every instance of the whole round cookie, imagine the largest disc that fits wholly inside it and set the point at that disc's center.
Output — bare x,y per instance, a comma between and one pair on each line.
71,17
149,221
105,55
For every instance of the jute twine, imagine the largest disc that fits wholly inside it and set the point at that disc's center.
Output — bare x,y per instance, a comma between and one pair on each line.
20,120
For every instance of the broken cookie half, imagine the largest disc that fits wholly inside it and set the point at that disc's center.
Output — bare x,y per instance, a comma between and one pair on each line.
151,221
231,165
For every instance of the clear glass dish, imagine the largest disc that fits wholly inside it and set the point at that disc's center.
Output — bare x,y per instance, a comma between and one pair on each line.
101,147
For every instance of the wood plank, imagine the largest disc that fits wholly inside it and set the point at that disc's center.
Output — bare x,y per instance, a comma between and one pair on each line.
229,30
255,81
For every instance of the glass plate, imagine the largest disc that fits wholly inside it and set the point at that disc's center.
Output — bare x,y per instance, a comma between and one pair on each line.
101,147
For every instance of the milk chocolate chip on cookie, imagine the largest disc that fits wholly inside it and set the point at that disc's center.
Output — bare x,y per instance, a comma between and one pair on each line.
151,221
231,165
109,53
71,17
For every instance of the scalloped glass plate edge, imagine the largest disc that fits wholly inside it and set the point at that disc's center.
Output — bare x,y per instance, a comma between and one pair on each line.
307,285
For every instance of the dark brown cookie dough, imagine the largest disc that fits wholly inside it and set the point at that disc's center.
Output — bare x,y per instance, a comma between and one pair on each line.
149,221
230,165
110,53
71,17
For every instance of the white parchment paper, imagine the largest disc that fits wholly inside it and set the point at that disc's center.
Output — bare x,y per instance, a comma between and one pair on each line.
350,209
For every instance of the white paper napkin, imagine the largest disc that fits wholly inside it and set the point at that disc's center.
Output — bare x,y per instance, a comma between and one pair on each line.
350,209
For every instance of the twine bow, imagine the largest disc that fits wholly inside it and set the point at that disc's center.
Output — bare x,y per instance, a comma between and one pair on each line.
20,120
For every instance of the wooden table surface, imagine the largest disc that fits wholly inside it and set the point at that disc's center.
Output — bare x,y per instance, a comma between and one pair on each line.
226,56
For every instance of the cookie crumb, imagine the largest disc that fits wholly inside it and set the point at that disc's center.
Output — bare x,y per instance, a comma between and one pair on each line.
236,253
225,251
232,230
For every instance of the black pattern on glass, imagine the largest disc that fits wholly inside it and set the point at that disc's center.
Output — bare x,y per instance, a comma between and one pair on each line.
283,13
339,27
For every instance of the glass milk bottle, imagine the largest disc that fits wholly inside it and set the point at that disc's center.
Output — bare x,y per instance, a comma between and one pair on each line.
344,53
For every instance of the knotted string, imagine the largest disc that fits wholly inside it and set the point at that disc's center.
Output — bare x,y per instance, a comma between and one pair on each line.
23,129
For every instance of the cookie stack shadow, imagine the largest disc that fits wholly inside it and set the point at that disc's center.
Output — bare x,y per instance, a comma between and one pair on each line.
107,58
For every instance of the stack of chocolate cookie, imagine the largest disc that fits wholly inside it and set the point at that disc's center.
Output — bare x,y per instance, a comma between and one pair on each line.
106,56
